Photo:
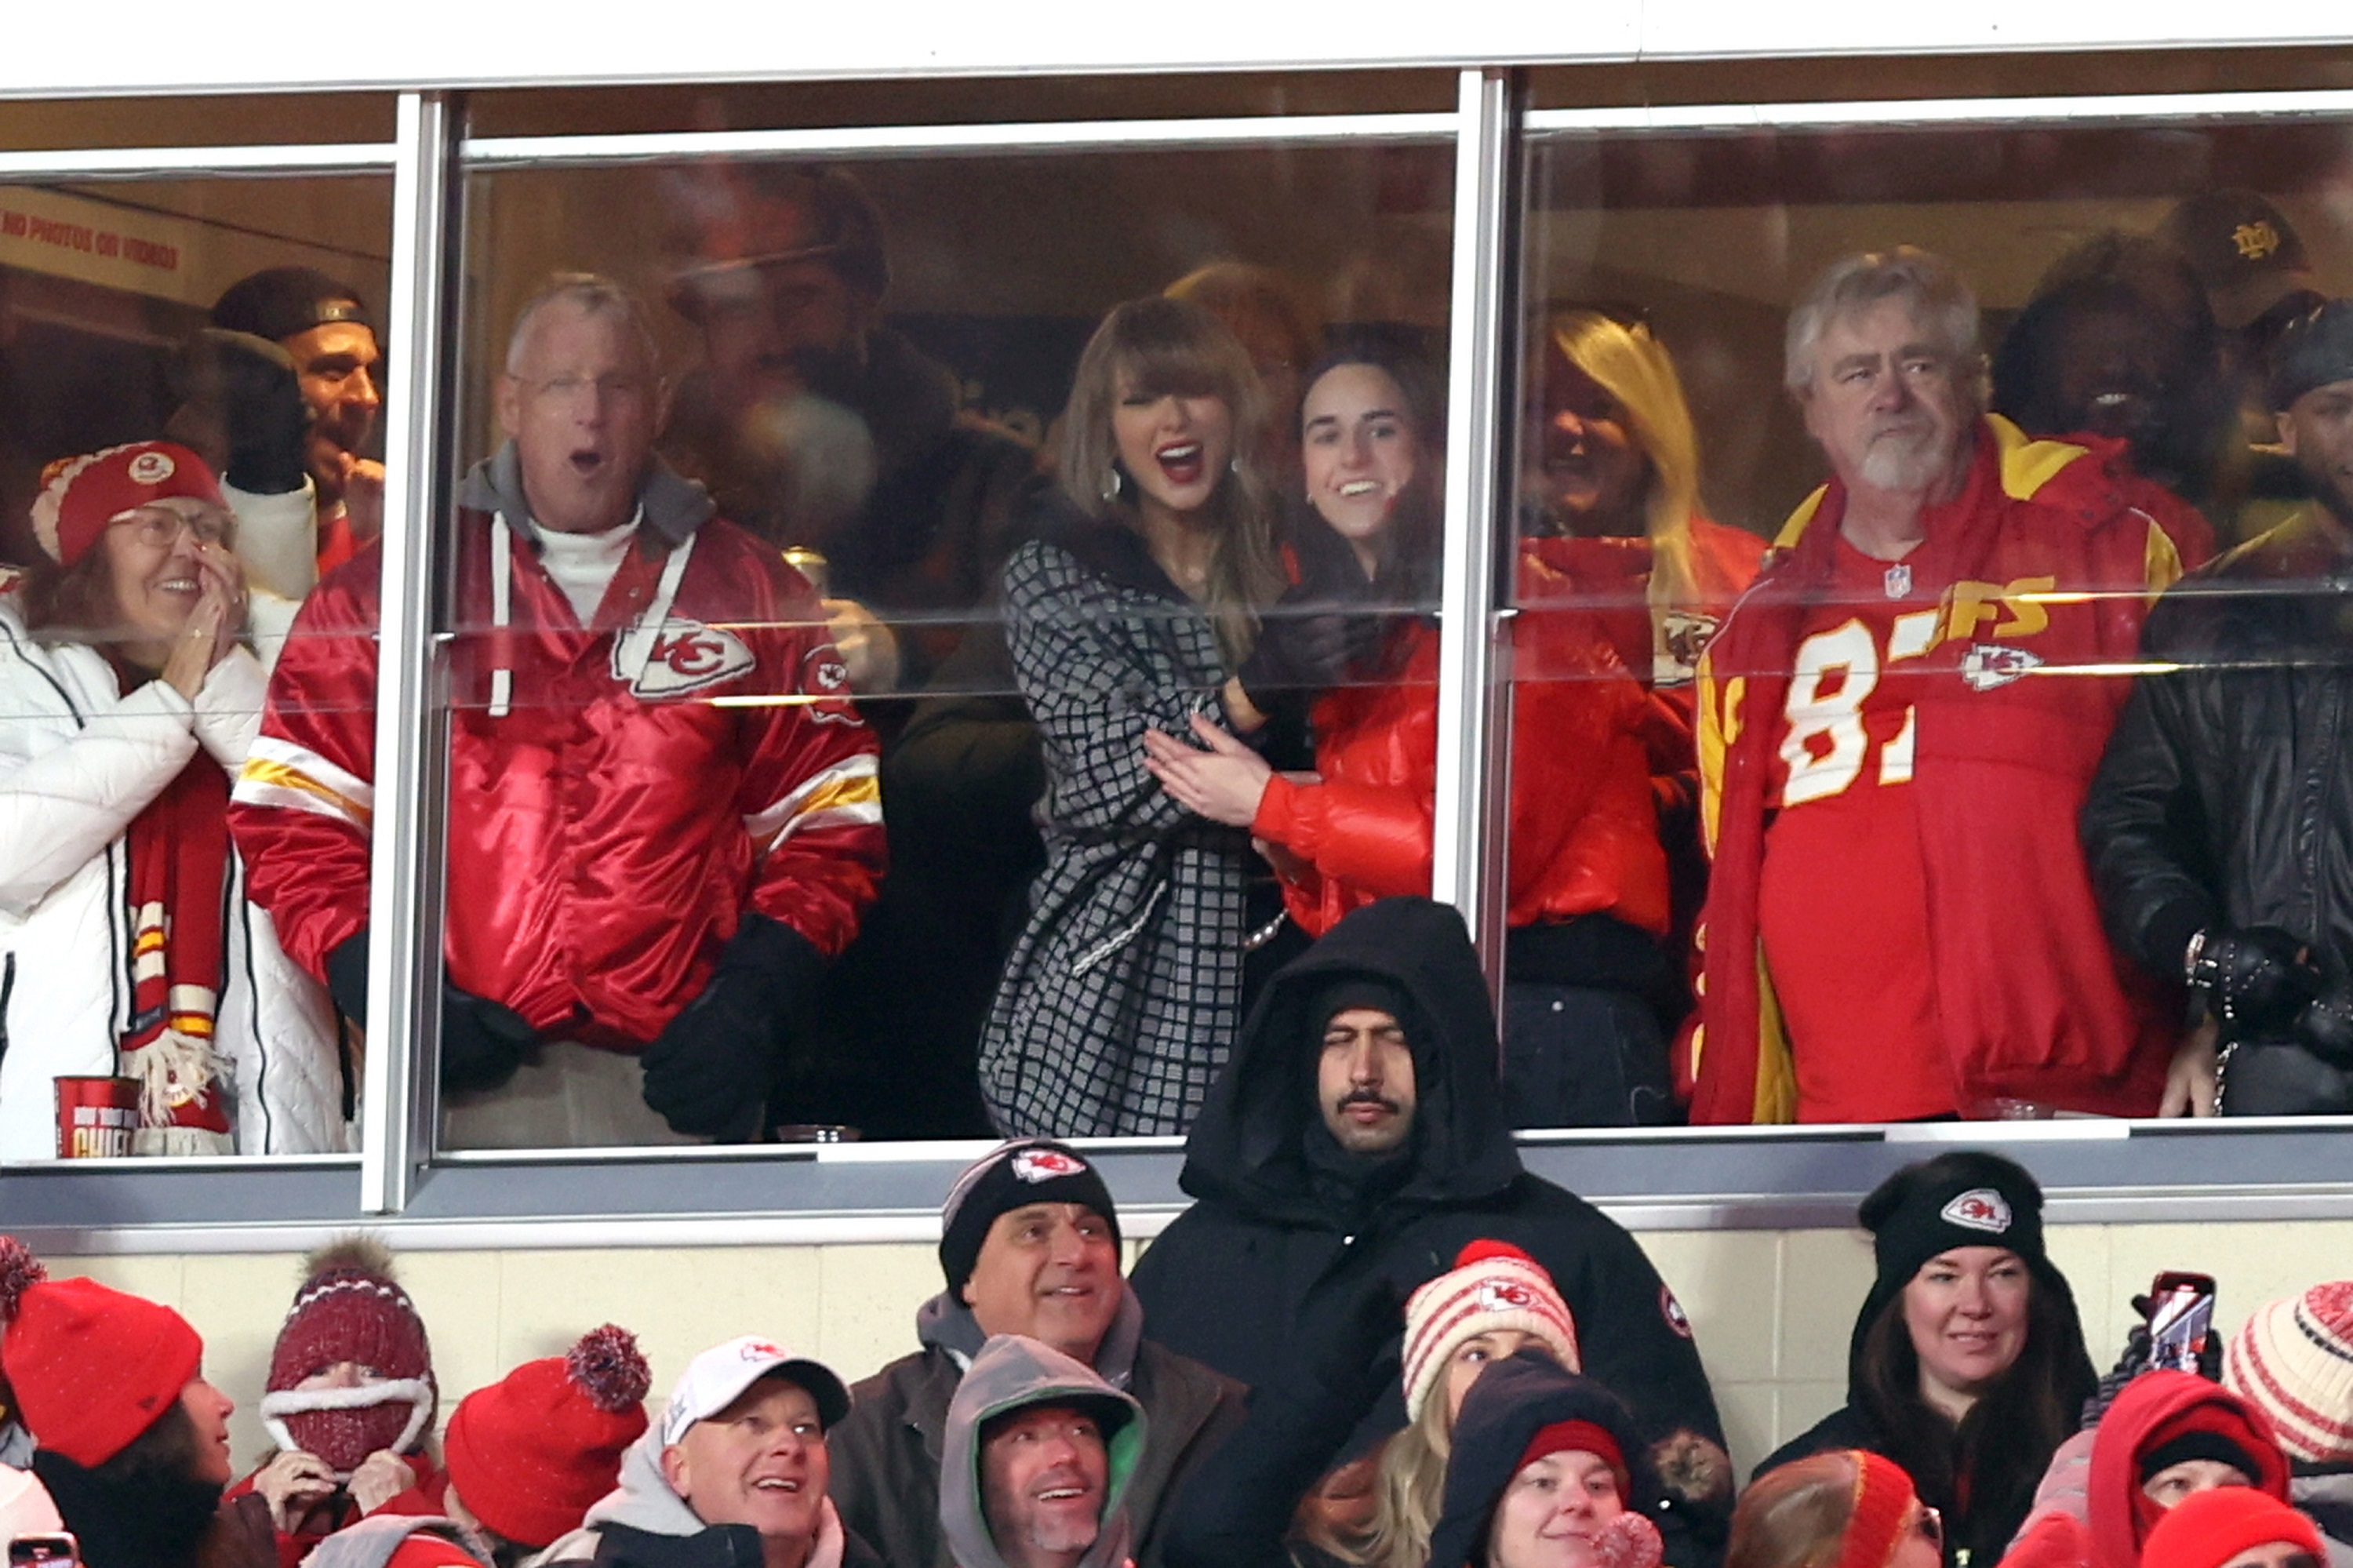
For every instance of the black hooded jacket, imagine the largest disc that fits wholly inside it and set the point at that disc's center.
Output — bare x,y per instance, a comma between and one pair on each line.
1269,1245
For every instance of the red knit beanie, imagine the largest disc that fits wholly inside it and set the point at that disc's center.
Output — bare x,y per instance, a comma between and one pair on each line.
529,1454
81,495
2207,1529
349,1308
1882,1496
92,1368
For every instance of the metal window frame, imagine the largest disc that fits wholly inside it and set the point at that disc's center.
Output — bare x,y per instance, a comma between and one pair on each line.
1713,1178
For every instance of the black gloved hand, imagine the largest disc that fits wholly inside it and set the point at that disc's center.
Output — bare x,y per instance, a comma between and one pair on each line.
482,1043
347,976
2254,980
2326,1025
711,1069
250,383
1306,642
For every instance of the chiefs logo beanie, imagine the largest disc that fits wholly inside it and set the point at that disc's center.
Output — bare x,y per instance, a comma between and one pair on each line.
1493,1284
92,1368
1013,1176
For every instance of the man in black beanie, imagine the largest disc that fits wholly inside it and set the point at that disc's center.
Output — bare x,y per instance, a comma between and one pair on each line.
2220,824
1356,1143
1028,1244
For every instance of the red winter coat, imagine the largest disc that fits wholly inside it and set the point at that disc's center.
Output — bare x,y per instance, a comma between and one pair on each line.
607,831
1584,834
2154,1409
2032,1001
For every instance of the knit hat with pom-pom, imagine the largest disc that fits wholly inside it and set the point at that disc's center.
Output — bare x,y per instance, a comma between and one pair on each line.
2295,1358
1493,1284
529,1454
350,1309
92,1368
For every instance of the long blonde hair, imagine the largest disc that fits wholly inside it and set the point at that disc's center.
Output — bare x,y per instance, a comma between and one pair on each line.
1636,370
1410,1492
1167,345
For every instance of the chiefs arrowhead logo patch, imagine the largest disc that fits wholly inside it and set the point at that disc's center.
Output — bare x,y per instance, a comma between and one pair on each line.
1506,1295
1978,1209
677,657
1673,1311
1986,666
1045,1164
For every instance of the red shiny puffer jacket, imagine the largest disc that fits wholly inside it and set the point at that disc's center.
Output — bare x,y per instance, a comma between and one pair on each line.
1584,832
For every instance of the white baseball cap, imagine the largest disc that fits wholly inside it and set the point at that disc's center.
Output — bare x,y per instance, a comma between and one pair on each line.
718,1377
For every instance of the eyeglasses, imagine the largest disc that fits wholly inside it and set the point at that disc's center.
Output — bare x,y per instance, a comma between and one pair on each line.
158,528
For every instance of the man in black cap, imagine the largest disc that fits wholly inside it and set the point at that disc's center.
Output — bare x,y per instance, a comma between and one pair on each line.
2257,277
325,329
2221,822
1030,1245
1356,1143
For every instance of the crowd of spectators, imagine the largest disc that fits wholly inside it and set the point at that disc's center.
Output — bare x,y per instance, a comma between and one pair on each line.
776,684
1270,1393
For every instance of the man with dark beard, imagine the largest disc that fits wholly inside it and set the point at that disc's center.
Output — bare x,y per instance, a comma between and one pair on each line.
1899,923
2220,824
133,1442
817,427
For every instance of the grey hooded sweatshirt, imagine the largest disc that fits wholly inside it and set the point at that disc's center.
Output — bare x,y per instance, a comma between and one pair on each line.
1013,1373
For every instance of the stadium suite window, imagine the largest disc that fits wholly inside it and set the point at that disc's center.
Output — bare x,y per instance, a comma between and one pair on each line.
189,376
875,366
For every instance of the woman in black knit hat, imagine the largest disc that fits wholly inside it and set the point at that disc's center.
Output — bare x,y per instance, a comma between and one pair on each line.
1547,1472
1968,1365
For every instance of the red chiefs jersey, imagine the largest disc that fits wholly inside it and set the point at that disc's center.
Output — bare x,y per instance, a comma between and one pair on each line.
2039,575
1843,890
619,793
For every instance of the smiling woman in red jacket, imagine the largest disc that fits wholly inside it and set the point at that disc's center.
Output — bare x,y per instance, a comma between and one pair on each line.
1588,881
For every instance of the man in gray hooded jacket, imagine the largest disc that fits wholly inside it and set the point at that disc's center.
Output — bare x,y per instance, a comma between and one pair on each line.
1039,1456
1030,1245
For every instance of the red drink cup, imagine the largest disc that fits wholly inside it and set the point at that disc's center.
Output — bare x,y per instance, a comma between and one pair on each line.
96,1118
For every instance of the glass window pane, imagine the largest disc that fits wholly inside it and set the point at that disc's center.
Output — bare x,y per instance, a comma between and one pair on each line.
876,369
1893,757
188,383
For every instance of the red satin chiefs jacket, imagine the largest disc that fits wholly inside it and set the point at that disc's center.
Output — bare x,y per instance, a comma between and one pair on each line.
619,794
1584,832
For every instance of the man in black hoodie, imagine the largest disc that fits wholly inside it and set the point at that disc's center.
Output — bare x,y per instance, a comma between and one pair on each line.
1330,1162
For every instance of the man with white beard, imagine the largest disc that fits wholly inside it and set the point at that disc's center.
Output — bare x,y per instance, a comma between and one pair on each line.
1035,1467
1899,923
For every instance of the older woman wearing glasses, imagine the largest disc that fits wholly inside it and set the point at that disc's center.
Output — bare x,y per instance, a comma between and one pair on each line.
127,948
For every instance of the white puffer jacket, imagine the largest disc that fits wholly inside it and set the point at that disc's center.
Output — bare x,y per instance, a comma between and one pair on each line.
77,762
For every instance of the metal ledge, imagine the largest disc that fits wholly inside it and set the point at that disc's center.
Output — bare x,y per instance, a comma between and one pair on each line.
1718,1179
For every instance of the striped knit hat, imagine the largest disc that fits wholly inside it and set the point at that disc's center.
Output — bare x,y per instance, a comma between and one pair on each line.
2294,1359
1493,1284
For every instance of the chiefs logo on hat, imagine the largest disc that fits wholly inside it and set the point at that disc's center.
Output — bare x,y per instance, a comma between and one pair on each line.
1673,1311
760,1350
1506,1295
1978,1209
152,468
1045,1164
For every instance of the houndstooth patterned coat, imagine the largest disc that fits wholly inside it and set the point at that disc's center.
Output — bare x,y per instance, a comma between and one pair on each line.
1120,1001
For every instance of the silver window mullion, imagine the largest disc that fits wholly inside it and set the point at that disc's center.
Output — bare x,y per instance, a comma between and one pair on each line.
405,876
1467,867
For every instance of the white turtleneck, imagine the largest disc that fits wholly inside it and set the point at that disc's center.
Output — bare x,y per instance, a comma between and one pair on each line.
583,565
